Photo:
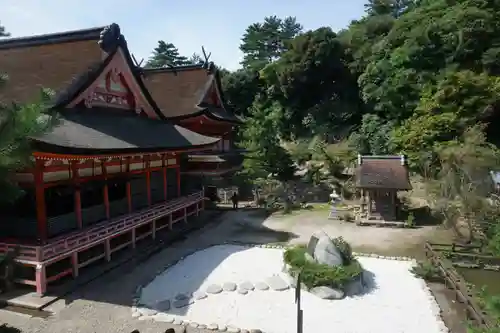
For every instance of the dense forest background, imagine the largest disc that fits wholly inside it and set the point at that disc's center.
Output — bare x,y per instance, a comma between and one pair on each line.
409,77
419,78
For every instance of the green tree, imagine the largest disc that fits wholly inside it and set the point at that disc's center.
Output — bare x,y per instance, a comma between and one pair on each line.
164,55
240,88
266,155
464,180
373,136
18,124
264,42
3,33
313,84
195,59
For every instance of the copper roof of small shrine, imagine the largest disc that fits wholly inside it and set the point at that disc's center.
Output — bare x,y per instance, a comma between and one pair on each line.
382,172
181,92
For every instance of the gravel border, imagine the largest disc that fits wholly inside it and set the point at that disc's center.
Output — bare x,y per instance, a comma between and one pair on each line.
151,314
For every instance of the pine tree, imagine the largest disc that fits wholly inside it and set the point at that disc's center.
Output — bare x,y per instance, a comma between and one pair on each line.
195,59
165,55
3,33
18,124
264,42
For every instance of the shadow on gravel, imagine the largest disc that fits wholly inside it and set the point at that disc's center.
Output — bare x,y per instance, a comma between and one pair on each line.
117,282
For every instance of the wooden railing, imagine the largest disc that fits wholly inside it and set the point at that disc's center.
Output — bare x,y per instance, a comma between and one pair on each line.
453,279
94,235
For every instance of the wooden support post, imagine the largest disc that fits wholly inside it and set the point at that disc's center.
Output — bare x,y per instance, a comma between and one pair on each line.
105,188
148,178
197,208
178,181
41,211
40,279
74,263
185,214
133,238
164,172
107,249
128,187
170,223
75,176
153,229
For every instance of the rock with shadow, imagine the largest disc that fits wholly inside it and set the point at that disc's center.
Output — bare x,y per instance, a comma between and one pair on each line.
334,253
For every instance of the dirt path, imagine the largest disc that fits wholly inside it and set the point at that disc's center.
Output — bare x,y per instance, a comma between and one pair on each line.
297,228
104,305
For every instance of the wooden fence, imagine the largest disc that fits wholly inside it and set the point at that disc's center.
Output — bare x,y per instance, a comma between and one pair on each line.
453,280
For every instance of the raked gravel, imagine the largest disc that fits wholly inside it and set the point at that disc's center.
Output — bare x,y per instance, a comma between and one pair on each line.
395,302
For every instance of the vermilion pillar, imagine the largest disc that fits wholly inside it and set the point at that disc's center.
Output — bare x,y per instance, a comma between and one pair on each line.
128,188
178,180
41,211
164,172
148,178
105,190
77,194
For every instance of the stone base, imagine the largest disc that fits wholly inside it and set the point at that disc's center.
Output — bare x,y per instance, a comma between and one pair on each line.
379,223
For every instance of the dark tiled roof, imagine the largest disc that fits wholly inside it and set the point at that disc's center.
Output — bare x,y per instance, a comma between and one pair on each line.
382,172
89,131
180,92
54,38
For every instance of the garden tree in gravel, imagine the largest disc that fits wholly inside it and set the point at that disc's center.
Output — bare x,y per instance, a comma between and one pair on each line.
166,54
17,124
464,180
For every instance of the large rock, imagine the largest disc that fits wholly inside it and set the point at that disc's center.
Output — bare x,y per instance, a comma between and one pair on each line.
327,292
323,251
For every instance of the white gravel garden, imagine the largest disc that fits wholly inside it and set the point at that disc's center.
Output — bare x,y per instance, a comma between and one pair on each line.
242,289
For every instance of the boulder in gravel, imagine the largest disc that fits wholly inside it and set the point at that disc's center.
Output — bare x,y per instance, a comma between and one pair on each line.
197,295
327,292
214,289
147,312
261,286
164,318
242,291
163,305
277,283
233,329
181,296
229,286
213,327
247,285
323,251
180,303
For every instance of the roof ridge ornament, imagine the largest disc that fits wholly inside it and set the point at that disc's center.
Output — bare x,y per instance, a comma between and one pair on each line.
110,38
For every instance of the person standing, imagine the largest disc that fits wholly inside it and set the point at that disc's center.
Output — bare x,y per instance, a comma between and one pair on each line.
234,199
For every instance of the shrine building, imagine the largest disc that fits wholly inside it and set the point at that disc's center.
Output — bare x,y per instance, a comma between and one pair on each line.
127,157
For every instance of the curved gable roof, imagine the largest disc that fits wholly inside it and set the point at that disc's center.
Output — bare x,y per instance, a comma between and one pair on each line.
181,92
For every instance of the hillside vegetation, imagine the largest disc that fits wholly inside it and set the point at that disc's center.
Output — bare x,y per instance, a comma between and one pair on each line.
419,78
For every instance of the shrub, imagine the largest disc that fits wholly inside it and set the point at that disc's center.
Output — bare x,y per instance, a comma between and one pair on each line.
314,274
410,221
427,271
344,248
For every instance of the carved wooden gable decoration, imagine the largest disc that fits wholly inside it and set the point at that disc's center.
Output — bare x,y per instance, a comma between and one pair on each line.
116,87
